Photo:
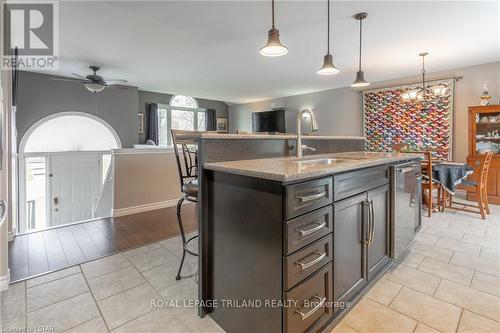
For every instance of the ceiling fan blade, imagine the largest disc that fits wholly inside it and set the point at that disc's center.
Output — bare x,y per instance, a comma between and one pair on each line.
115,81
68,80
80,76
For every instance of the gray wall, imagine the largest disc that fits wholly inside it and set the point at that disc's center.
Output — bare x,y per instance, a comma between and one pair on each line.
39,96
339,111
146,97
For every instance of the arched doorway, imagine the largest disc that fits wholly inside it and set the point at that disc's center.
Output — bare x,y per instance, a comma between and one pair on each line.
65,160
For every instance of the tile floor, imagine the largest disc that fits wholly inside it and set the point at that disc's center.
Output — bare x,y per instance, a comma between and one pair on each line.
450,282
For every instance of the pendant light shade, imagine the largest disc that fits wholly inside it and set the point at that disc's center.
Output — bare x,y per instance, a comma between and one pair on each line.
360,80
273,47
360,76
328,67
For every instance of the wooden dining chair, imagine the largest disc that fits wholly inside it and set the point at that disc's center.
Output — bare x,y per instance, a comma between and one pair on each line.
479,187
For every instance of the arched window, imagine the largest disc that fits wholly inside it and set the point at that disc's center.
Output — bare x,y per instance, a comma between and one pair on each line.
70,131
181,113
184,101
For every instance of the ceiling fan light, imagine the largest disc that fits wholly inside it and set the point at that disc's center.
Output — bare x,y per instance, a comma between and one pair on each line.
328,67
273,47
94,87
360,80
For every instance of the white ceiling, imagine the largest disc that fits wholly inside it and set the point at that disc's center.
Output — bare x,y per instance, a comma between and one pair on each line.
210,49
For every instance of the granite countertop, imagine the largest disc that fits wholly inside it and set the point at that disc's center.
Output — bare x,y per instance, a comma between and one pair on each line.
209,135
286,169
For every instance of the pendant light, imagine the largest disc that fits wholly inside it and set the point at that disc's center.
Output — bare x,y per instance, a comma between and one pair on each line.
273,47
360,76
328,67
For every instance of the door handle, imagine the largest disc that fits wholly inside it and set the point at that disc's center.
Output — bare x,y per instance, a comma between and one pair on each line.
372,223
311,197
56,200
304,316
365,232
311,230
312,262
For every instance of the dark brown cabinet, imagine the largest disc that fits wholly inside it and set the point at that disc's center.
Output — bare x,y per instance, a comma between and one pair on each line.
349,233
361,247
378,244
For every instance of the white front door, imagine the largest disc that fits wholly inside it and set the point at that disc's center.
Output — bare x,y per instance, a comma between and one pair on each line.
74,181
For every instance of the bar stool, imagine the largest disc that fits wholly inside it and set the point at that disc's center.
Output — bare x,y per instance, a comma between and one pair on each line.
188,176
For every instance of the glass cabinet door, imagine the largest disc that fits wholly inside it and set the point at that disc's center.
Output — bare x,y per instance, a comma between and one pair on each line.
487,132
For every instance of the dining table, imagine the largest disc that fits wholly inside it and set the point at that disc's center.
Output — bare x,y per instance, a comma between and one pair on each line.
449,175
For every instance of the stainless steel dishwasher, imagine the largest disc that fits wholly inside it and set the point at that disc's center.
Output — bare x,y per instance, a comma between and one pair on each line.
406,213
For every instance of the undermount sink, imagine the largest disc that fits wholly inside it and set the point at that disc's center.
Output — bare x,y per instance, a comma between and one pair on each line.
322,161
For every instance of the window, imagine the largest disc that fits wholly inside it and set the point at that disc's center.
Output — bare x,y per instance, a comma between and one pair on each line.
182,113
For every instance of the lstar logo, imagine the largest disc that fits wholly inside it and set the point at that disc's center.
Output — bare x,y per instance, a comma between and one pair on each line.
31,30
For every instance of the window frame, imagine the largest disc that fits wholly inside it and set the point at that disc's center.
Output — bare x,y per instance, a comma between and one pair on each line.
169,109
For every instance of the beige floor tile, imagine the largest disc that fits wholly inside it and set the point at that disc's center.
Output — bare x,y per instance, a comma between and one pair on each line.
142,249
184,289
493,233
115,282
343,328
371,317
128,305
474,323
105,265
422,328
427,309
489,253
162,276
159,320
95,325
66,314
426,238
447,271
55,291
412,260
445,232
418,280
468,298
190,317
13,307
435,252
154,258
53,276
384,291
486,282
483,241
459,246
481,264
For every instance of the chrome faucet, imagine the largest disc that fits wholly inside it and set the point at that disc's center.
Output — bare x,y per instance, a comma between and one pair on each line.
314,128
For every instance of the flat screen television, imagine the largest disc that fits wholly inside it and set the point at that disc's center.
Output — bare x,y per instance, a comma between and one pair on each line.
269,121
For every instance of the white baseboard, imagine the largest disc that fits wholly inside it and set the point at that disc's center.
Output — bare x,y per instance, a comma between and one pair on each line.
4,281
144,208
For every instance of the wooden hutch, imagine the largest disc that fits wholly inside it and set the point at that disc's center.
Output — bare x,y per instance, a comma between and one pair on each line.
484,135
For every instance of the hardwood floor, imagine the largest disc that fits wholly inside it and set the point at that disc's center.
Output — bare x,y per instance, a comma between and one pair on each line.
53,249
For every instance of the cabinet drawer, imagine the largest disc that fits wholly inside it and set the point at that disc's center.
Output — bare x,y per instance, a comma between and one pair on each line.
351,183
301,264
305,197
309,303
305,229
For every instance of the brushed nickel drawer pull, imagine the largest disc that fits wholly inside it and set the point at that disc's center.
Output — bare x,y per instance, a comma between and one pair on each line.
312,230
307,198
312,262
320,304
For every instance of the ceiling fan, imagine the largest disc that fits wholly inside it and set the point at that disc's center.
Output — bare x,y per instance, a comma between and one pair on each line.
93,82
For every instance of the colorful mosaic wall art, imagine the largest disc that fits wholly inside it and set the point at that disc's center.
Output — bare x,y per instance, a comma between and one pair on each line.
390,121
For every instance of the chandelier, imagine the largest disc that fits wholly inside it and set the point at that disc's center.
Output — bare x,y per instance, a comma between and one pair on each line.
424,93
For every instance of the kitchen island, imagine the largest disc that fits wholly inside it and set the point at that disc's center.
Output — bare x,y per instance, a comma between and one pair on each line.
290,243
